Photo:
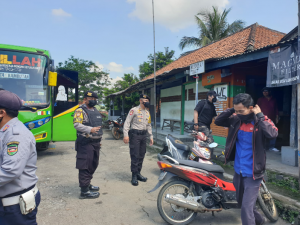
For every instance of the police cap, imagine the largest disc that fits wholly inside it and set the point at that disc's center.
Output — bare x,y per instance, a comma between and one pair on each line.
10,100
143,96
90,94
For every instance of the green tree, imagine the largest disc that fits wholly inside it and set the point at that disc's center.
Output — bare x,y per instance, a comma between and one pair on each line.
162,59
90,76
127,80
213,26
130,100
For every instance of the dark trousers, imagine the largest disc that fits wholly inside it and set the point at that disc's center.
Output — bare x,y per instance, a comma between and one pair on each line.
246,194
87,160
206,131
137,146
11,215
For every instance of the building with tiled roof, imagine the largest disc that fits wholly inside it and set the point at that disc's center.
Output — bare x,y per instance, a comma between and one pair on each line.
235,64
251,38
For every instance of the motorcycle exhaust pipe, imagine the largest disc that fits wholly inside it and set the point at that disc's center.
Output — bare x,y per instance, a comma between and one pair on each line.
185,203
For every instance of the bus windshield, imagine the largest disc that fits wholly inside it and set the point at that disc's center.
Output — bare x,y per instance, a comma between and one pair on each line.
23,74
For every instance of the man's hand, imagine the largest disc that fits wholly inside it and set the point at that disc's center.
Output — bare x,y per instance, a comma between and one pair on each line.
95,129
151,142
126,140
256,109
196,127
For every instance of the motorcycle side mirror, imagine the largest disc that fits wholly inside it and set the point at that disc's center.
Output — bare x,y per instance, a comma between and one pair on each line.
213,145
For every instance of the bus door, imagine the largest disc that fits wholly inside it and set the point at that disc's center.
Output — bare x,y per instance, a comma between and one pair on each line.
65,102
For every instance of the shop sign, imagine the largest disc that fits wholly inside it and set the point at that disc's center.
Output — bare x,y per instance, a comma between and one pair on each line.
283,66
197,68
213,77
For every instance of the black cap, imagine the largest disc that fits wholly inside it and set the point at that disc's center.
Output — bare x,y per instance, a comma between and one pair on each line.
143,96
90,94
210,93
10,100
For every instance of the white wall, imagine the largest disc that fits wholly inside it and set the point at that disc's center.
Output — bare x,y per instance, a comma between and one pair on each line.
171,110
173,91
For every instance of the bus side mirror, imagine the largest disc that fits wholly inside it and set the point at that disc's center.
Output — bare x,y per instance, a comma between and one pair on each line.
52,79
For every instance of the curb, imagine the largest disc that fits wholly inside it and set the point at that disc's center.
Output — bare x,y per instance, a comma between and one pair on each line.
285,200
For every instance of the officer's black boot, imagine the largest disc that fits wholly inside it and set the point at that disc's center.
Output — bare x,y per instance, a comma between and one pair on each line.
93,188
134,180
141,178
87,194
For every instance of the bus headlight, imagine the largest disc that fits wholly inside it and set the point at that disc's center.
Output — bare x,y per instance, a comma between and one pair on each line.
31,125
37,123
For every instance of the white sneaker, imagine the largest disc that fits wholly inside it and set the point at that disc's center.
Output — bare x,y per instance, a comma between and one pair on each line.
275,149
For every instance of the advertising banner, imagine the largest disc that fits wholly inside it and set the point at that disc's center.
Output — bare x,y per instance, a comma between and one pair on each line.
283,67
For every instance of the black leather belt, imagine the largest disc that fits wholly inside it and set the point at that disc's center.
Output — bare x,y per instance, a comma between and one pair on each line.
95,140
139,132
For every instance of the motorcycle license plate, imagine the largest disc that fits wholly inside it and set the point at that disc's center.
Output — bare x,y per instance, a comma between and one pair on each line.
162,175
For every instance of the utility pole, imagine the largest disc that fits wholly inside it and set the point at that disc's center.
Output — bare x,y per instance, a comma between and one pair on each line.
298,93
154,73
196,95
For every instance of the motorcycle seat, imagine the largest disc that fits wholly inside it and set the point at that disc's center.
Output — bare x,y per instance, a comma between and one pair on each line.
178,145
203,166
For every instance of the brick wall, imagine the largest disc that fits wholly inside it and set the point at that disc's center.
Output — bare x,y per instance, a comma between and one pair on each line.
192,95
175,98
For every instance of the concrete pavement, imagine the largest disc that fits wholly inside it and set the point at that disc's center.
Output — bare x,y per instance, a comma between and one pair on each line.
119,202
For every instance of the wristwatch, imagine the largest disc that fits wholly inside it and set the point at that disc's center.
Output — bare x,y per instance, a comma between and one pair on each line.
195,124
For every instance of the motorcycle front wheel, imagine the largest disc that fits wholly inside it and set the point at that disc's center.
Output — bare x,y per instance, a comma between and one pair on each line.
115,132
267,203
171,213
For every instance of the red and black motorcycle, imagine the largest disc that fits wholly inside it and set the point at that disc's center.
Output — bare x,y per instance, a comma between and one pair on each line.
117,126
194,187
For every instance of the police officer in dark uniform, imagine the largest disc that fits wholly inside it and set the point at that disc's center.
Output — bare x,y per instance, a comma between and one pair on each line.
140,121
88,123
19,195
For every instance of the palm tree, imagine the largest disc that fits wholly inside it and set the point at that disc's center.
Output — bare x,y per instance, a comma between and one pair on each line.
213,26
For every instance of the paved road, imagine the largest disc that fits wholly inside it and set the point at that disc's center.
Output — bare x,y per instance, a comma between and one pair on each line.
119,203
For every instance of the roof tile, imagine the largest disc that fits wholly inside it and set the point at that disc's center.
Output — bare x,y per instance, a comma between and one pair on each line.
250,38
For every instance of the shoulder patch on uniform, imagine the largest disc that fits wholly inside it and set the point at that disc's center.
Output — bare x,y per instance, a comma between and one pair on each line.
131,112
12,148
78,116
5,128
15,130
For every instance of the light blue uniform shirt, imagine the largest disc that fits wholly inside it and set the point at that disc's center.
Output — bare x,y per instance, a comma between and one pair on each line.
18,158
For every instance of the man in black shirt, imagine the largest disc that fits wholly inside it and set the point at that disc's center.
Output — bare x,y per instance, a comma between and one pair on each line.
204,113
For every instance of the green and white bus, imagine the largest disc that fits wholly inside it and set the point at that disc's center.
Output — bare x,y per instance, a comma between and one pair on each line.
49,98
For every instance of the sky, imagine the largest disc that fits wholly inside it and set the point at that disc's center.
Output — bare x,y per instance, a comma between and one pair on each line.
118,34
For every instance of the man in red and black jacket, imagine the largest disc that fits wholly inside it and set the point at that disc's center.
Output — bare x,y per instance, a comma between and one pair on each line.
248,132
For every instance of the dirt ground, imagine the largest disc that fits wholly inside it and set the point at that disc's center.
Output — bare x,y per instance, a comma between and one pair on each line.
119,202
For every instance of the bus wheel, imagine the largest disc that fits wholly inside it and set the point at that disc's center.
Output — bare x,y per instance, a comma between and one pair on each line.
42,146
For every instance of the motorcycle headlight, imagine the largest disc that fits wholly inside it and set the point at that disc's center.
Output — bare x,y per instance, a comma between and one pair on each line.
37,123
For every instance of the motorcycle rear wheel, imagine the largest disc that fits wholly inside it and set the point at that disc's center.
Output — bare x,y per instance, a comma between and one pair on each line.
115,132
175,212
266,203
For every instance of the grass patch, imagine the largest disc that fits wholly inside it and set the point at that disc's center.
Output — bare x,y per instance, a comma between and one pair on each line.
285,212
